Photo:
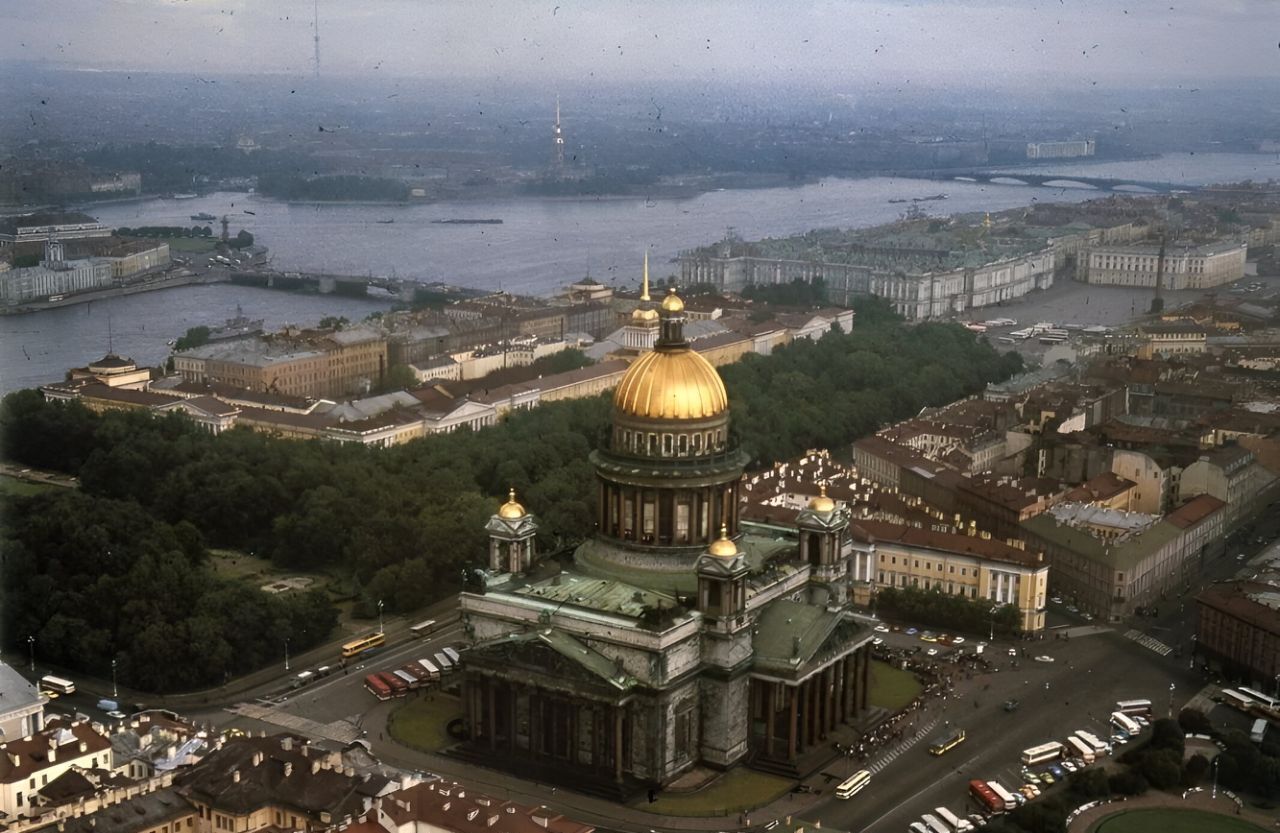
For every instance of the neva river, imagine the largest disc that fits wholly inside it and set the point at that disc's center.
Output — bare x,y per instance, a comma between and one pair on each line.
541,245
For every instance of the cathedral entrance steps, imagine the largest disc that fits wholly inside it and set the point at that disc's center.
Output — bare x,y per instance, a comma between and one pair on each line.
823,753
557,773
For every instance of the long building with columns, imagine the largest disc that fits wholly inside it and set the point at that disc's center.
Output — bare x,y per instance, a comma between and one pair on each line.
677,638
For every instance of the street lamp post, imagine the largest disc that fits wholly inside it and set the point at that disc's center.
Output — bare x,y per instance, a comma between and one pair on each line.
115,692
286,655
991,635
1278,686
1215,777
380,628
31,643
1171,688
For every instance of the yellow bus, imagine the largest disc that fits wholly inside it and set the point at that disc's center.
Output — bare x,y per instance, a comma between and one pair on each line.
946,741
364,644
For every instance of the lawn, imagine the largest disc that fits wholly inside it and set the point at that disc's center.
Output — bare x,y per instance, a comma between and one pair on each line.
892,688
421,723
1174,821
22,488
737,790
192,245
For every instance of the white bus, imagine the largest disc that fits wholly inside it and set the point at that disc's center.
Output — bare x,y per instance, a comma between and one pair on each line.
932,823
430,668
57,685
1259,730
1259,697
1141,707
853,784
1081,749
1044,752
1235,699
1125,723
1099,748
957,824
423,628
1010,803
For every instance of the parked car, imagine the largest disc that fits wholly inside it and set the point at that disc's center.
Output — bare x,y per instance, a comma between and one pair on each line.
1044,658
957,640
928,636
911,631
933,652
882,628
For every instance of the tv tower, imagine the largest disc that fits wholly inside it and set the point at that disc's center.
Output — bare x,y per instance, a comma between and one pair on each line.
315,36
557,140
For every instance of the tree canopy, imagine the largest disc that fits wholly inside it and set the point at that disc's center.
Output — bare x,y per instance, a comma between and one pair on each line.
401,524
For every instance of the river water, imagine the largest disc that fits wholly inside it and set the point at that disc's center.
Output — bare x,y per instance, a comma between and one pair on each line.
541,245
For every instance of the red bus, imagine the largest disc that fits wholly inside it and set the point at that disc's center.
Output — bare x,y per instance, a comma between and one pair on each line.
377,687
986,797
398,686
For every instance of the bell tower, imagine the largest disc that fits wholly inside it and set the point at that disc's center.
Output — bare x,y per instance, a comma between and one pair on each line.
727,648
511,538
822,525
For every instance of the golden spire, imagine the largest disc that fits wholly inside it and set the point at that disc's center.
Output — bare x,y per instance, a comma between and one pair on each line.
644,292
644,315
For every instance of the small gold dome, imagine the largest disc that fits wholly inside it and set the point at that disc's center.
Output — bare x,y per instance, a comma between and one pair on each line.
511,510
723,547
641,315
671,384
672,303
822,503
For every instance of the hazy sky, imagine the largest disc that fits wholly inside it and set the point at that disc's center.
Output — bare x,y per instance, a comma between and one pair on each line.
996,42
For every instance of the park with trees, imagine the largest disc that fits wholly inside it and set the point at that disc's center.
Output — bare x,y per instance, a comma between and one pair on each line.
397,525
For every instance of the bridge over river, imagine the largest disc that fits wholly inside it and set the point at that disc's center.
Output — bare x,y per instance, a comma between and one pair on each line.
1136,186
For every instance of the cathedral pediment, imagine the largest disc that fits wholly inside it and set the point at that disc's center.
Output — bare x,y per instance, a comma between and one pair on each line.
552,659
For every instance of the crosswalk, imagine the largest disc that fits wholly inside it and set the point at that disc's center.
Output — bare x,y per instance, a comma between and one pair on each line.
903,746
341,731
1148,642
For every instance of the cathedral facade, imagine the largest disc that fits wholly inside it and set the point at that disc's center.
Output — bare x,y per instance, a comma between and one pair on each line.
678,637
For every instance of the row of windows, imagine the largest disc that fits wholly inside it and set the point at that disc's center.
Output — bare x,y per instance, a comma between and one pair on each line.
914,581
928,565
667,445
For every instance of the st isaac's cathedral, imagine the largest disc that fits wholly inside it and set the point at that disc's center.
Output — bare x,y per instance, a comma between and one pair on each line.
679,637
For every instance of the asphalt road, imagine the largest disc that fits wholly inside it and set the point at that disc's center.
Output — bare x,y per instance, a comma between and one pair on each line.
1076,691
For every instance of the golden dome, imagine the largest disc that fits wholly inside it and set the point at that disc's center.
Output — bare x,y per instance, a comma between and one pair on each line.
672,303
671,384
511,510
822,503
723,547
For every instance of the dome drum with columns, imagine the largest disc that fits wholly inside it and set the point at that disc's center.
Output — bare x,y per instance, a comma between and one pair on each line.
669,475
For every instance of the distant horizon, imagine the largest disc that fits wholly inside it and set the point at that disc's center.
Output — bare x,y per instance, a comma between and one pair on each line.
461,81
985,44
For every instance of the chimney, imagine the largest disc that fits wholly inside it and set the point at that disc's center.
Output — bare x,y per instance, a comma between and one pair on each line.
288,768
286,743
235,776
315,766
257,758
53,753
84,747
